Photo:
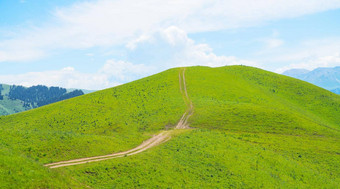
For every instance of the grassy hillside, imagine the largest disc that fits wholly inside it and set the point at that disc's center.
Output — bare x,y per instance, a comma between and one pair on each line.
249,99
220,159
102,122
18,171
99,123
253,129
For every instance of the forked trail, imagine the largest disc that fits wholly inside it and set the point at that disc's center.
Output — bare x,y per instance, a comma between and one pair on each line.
152,142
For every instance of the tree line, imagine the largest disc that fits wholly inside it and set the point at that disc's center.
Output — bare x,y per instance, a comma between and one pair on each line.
40,95
1,96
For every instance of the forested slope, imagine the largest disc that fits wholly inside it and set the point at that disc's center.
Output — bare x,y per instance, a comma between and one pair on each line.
16,98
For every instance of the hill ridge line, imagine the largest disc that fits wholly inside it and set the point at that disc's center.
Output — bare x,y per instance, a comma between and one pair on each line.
156,140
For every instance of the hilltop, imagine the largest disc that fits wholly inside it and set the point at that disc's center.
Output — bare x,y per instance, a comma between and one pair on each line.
249,128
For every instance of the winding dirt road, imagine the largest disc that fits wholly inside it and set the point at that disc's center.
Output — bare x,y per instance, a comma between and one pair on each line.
152,142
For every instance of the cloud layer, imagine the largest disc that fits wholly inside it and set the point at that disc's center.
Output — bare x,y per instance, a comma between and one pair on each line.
310,64
153,35
107,23
175,49
107,76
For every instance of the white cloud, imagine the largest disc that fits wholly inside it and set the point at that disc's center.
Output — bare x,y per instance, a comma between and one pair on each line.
176,48
89,54
111,74
273,43
323,61
132,44
307,50
107,23
172,47
307,54
66,77
21,55
270,43
124,71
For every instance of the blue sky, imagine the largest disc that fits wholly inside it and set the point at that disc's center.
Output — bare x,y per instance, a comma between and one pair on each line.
100,44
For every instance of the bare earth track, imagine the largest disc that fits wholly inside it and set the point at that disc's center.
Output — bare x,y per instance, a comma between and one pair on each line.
152,142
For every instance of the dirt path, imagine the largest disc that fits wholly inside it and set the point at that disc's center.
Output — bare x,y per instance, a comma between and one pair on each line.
182,124
154,141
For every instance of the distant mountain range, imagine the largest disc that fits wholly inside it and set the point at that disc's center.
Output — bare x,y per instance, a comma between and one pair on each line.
328,78
16,98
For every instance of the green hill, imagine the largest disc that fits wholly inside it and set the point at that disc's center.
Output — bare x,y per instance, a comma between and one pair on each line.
251,129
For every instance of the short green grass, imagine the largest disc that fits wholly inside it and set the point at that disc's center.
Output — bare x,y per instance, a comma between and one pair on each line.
99,123
18,171
219,159
253,129
248,99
